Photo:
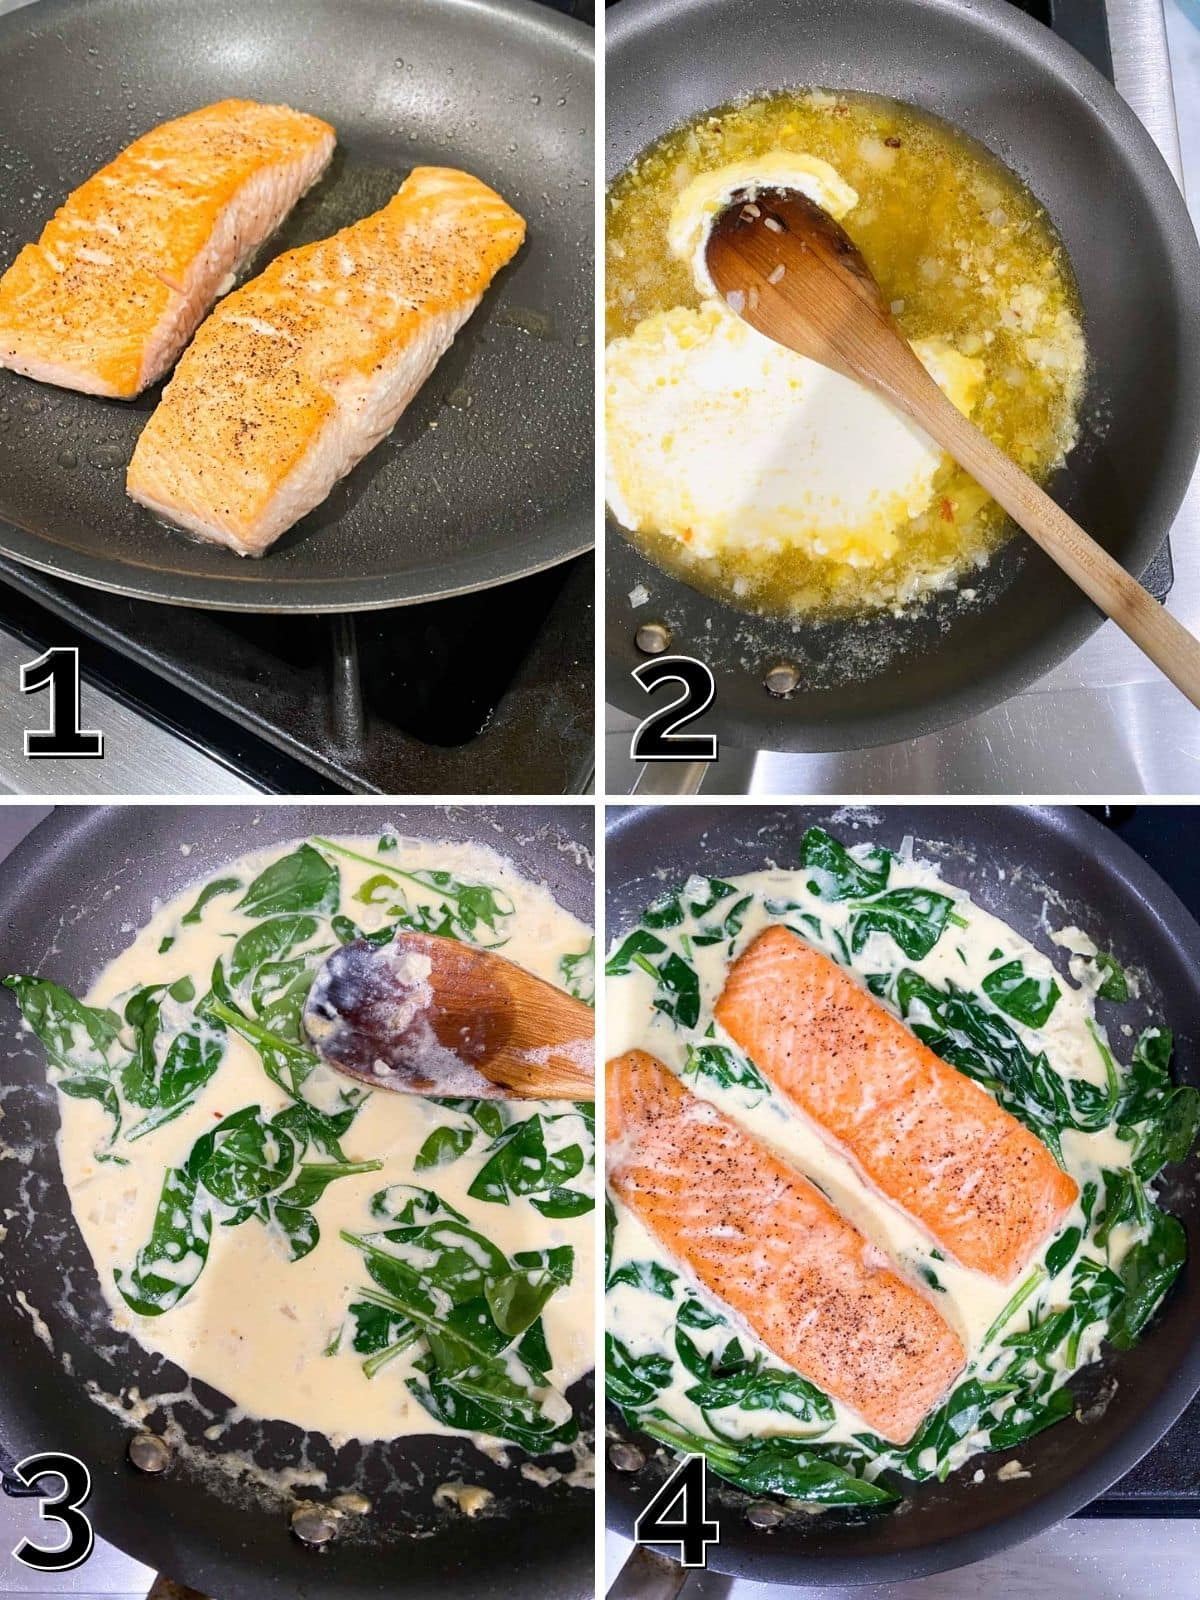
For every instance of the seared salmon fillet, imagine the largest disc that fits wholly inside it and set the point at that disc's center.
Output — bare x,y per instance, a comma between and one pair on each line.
765,1241
299,374
922,1132
131,262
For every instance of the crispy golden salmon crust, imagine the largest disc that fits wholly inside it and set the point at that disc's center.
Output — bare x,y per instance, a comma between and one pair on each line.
299,374
131,262
766,1242
921,1132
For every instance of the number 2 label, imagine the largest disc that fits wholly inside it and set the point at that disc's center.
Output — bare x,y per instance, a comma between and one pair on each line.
658,737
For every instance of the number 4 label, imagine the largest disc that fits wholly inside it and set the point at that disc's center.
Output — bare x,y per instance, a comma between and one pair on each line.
678,1514
58,670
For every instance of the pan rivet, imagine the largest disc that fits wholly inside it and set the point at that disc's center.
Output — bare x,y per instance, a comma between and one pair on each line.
652,638
765,1514
782,679
149,1453
626,1457
314,1524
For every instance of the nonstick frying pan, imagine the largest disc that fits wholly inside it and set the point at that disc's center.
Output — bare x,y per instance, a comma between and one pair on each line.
64,895
1006,80
1035,867
488,475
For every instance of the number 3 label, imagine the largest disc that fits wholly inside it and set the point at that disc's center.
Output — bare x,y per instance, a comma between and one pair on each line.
63,1508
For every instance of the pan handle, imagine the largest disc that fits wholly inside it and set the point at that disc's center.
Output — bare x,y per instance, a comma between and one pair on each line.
670,777
647,1575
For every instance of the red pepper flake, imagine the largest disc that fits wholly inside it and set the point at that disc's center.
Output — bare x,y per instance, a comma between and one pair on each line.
946,508
892,142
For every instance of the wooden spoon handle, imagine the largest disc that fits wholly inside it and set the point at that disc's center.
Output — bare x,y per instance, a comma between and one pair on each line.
1151,627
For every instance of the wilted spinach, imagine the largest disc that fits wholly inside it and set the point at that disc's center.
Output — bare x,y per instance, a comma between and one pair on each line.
1025,998
914,918
439,1282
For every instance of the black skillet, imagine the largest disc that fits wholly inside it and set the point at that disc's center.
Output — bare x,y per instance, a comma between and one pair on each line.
1009,82
488,474
1036,867
64,895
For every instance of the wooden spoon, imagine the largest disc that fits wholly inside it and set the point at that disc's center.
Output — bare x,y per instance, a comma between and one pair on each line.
786,266
431,1016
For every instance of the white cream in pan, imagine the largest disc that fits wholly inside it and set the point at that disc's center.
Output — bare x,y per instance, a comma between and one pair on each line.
256,1325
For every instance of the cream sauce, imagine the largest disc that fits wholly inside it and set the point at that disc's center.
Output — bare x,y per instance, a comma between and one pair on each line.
257,1325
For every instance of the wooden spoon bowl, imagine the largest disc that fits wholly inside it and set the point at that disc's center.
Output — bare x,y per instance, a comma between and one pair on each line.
430,1016
783,264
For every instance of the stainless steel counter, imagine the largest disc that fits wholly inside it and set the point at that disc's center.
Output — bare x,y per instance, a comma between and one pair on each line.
1104,722
1126,1559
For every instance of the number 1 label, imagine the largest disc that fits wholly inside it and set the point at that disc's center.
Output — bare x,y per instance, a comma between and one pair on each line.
58,671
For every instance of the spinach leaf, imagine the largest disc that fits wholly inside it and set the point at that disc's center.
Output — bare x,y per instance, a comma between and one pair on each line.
192,1058
774,1466
470,906
347,930
311,1178
633,1381
638,944
139,1076
1147,1079
560,1202
170,1262
297,1226
285,1062
210,891
249,1159
665,912
915,920
1147,1271
301,881
1124,1201
318,1130
517,1298
578,973
694,1313
724,1066
269,941
838,875
98,1089
1027,999
444,1145
953,1420
1061,1251
519,1164
651,1276
1025,1417
1170,1135
76,1037
440,1281
464,1391
1115,984
681,999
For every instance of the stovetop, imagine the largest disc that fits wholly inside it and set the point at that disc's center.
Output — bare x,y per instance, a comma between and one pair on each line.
484,693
